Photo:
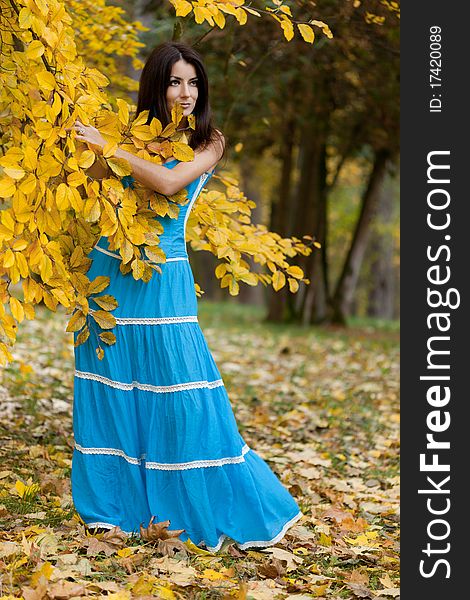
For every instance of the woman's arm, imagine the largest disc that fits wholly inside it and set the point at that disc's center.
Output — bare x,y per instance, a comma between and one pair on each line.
157,177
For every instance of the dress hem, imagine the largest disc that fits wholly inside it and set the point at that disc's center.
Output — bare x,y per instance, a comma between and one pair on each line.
222,538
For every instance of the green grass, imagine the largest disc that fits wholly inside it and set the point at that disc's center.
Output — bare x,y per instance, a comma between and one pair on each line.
234,315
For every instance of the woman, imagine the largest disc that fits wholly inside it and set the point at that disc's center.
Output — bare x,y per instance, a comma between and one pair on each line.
154,430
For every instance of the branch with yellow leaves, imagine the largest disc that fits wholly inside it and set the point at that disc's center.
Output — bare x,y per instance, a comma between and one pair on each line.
214,11
220,222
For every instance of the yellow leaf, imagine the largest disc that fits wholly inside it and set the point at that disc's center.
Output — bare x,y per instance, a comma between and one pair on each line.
46,80
8,259
306,32
189,543
98,284
109,149
104,319
45,571
202,14
76,322
169,130
249,278
177,113
108,338
182,152
30,159
183,8
251,11
138,267
26,490
100,355
164,593
16,309
287,28
86,159
233,287
43,7
15,172
7,187
76,179
123,552
279,280
106,302
241,16
120,166
28,185
324,540
123,111
213,575
20,488
293,284
82,337
92,210
45,268
62,197
295,272
221,270
155,127
35,50
20,245
155,254
25,18
324,27
44,129
142,132
141,119
219,18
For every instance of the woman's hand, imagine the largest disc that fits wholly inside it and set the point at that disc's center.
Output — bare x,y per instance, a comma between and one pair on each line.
89,134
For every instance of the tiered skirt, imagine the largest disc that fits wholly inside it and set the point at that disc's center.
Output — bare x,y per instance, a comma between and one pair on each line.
155,434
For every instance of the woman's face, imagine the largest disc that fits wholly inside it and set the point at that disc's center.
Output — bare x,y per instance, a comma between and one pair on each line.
182,87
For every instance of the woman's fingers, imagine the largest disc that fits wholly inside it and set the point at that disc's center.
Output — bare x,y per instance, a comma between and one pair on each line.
78,126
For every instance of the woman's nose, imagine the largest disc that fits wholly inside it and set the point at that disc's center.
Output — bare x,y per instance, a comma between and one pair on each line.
185,90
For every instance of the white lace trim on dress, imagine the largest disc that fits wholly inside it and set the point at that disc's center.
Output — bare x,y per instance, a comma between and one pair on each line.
257,543
155,320
204,177
105,526
192,464
113,452
253,544
114,255
190,385
195,464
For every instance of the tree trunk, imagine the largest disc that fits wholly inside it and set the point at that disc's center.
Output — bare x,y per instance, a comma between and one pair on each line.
340,305
280,220
309,303
381,277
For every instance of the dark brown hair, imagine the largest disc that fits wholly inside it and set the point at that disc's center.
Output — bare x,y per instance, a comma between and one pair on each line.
154,82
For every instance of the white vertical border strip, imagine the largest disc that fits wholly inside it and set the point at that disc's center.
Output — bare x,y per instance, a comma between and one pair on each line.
204,177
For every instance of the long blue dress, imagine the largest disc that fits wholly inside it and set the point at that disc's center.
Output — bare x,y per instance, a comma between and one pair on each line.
154,431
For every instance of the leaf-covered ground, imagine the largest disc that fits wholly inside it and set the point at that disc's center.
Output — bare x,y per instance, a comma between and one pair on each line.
320,405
